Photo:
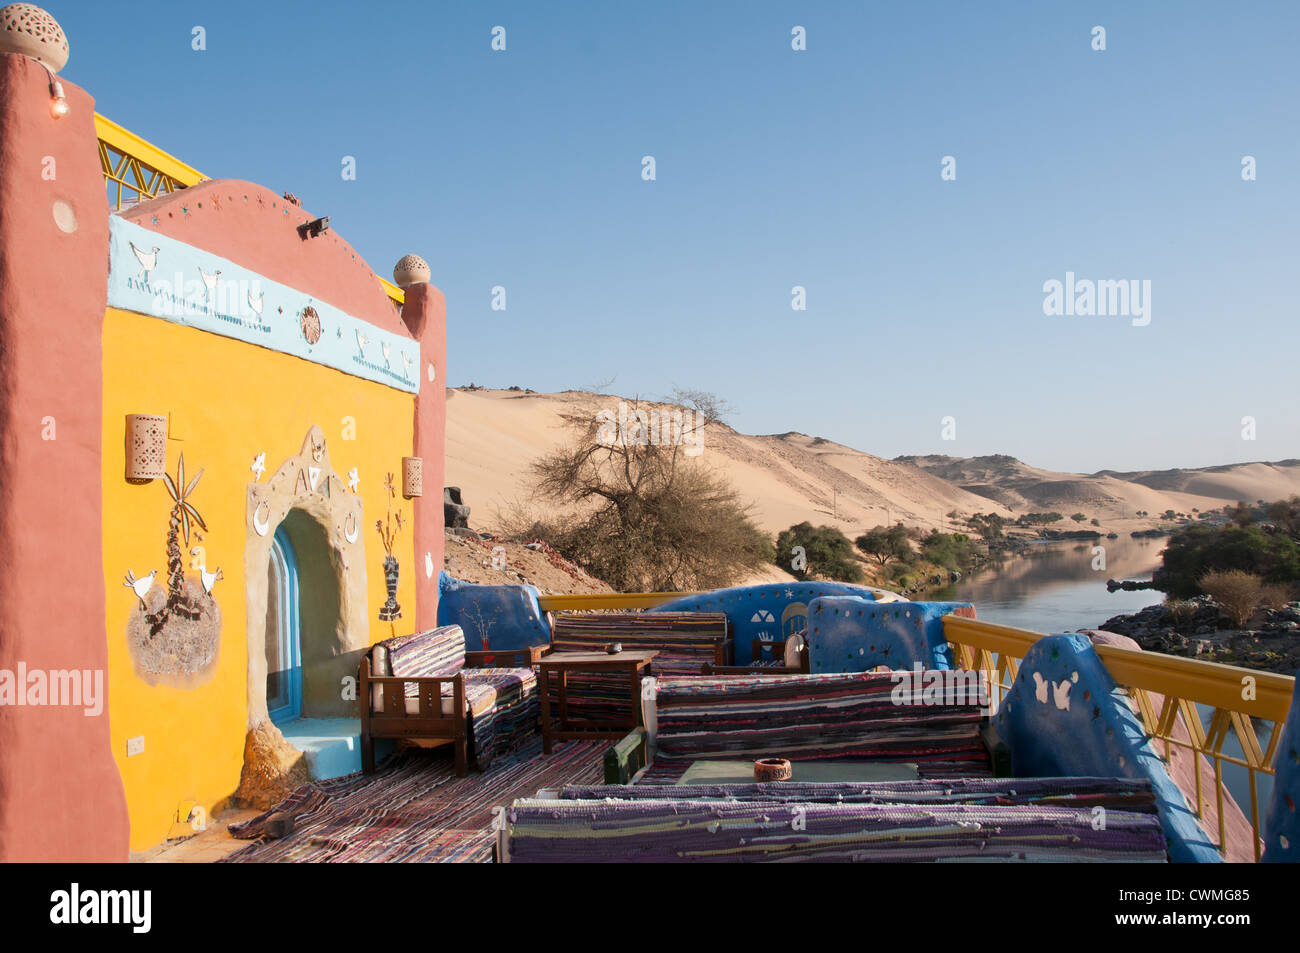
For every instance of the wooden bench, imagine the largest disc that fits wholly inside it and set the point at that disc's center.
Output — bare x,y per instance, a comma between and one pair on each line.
426,687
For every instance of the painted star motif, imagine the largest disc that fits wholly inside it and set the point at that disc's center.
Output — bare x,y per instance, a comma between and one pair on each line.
259,466
789,594
353,479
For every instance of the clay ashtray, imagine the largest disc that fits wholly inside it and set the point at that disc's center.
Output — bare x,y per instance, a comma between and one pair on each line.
613,648
772,769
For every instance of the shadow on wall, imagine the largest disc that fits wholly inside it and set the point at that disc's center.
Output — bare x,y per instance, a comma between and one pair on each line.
325,656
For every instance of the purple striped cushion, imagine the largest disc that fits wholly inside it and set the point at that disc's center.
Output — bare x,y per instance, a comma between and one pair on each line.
439,651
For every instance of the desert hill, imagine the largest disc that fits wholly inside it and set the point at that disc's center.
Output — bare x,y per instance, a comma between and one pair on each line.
494,435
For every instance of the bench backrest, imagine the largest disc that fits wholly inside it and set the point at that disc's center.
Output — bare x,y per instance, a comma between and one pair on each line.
860,716
685,641
435,652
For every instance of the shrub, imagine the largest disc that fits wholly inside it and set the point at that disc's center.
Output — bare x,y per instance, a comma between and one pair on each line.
828,551
1236,591
1198,549
950,550
1180,610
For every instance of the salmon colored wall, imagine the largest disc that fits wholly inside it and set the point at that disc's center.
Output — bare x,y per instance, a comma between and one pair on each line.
60,794
229,402
425,313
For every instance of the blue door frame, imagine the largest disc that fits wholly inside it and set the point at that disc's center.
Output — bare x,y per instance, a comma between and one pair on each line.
285,566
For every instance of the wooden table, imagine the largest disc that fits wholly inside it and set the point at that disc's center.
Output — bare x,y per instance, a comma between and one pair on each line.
633,663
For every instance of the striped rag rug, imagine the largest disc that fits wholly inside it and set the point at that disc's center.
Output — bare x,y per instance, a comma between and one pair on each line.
728,831
413,810
1124,794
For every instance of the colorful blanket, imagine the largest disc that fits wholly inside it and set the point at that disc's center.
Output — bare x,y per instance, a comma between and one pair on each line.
716,830
815,717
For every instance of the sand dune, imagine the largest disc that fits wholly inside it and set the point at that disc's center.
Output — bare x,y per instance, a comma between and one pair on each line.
494,436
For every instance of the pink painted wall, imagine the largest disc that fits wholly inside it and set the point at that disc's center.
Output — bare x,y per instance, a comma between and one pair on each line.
425,313
61,796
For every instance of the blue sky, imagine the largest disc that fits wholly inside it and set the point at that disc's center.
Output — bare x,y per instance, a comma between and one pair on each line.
778,168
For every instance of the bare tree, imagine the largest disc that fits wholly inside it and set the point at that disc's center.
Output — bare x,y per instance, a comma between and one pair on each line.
650,513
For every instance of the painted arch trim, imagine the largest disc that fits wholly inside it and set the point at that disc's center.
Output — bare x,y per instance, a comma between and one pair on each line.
159,276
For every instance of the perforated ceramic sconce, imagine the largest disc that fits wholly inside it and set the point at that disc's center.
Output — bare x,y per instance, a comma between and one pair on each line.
412,477
146,447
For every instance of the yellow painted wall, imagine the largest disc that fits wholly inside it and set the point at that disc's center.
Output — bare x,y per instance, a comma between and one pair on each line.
229,401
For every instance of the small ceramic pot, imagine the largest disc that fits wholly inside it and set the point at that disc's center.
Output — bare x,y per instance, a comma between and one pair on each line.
773,769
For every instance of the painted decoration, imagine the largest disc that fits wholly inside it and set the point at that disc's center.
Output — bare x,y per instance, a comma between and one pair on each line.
174,633
390,610
156,275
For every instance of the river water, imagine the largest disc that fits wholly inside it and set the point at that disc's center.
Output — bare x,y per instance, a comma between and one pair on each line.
1056,589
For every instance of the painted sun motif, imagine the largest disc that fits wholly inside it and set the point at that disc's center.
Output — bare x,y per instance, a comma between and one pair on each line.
310,324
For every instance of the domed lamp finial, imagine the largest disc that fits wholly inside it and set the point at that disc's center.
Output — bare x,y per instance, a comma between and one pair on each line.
27,29
411,270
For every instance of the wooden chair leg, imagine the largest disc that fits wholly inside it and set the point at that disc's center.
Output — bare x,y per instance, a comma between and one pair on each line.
367,753
462,758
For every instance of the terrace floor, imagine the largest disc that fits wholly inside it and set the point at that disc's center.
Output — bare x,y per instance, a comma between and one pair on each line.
413,809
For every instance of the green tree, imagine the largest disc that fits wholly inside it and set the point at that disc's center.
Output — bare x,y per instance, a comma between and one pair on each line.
827,553
883,543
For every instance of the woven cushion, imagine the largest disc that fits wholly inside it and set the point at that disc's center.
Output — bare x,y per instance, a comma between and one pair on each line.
439,651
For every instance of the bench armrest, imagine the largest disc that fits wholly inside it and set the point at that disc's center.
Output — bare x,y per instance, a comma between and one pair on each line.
393,690
626,757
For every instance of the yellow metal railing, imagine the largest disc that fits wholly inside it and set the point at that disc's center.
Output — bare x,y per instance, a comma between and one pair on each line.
609,600
135,170
133,165
1165,691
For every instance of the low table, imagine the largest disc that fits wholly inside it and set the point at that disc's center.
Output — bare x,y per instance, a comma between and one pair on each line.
742,772
634,663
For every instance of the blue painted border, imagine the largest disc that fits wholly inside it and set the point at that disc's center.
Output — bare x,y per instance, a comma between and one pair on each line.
291,623
175,291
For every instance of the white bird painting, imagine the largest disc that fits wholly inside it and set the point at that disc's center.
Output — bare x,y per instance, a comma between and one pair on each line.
362,341
1061,694
148,260
353,480
256,303
1040,687
259,466
383,346
140,586
210,281
407,363
210,579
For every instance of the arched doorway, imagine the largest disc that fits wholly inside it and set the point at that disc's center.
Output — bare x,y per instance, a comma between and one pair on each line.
283,631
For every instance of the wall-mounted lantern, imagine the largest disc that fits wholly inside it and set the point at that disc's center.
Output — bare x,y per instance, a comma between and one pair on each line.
412,477
146,447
